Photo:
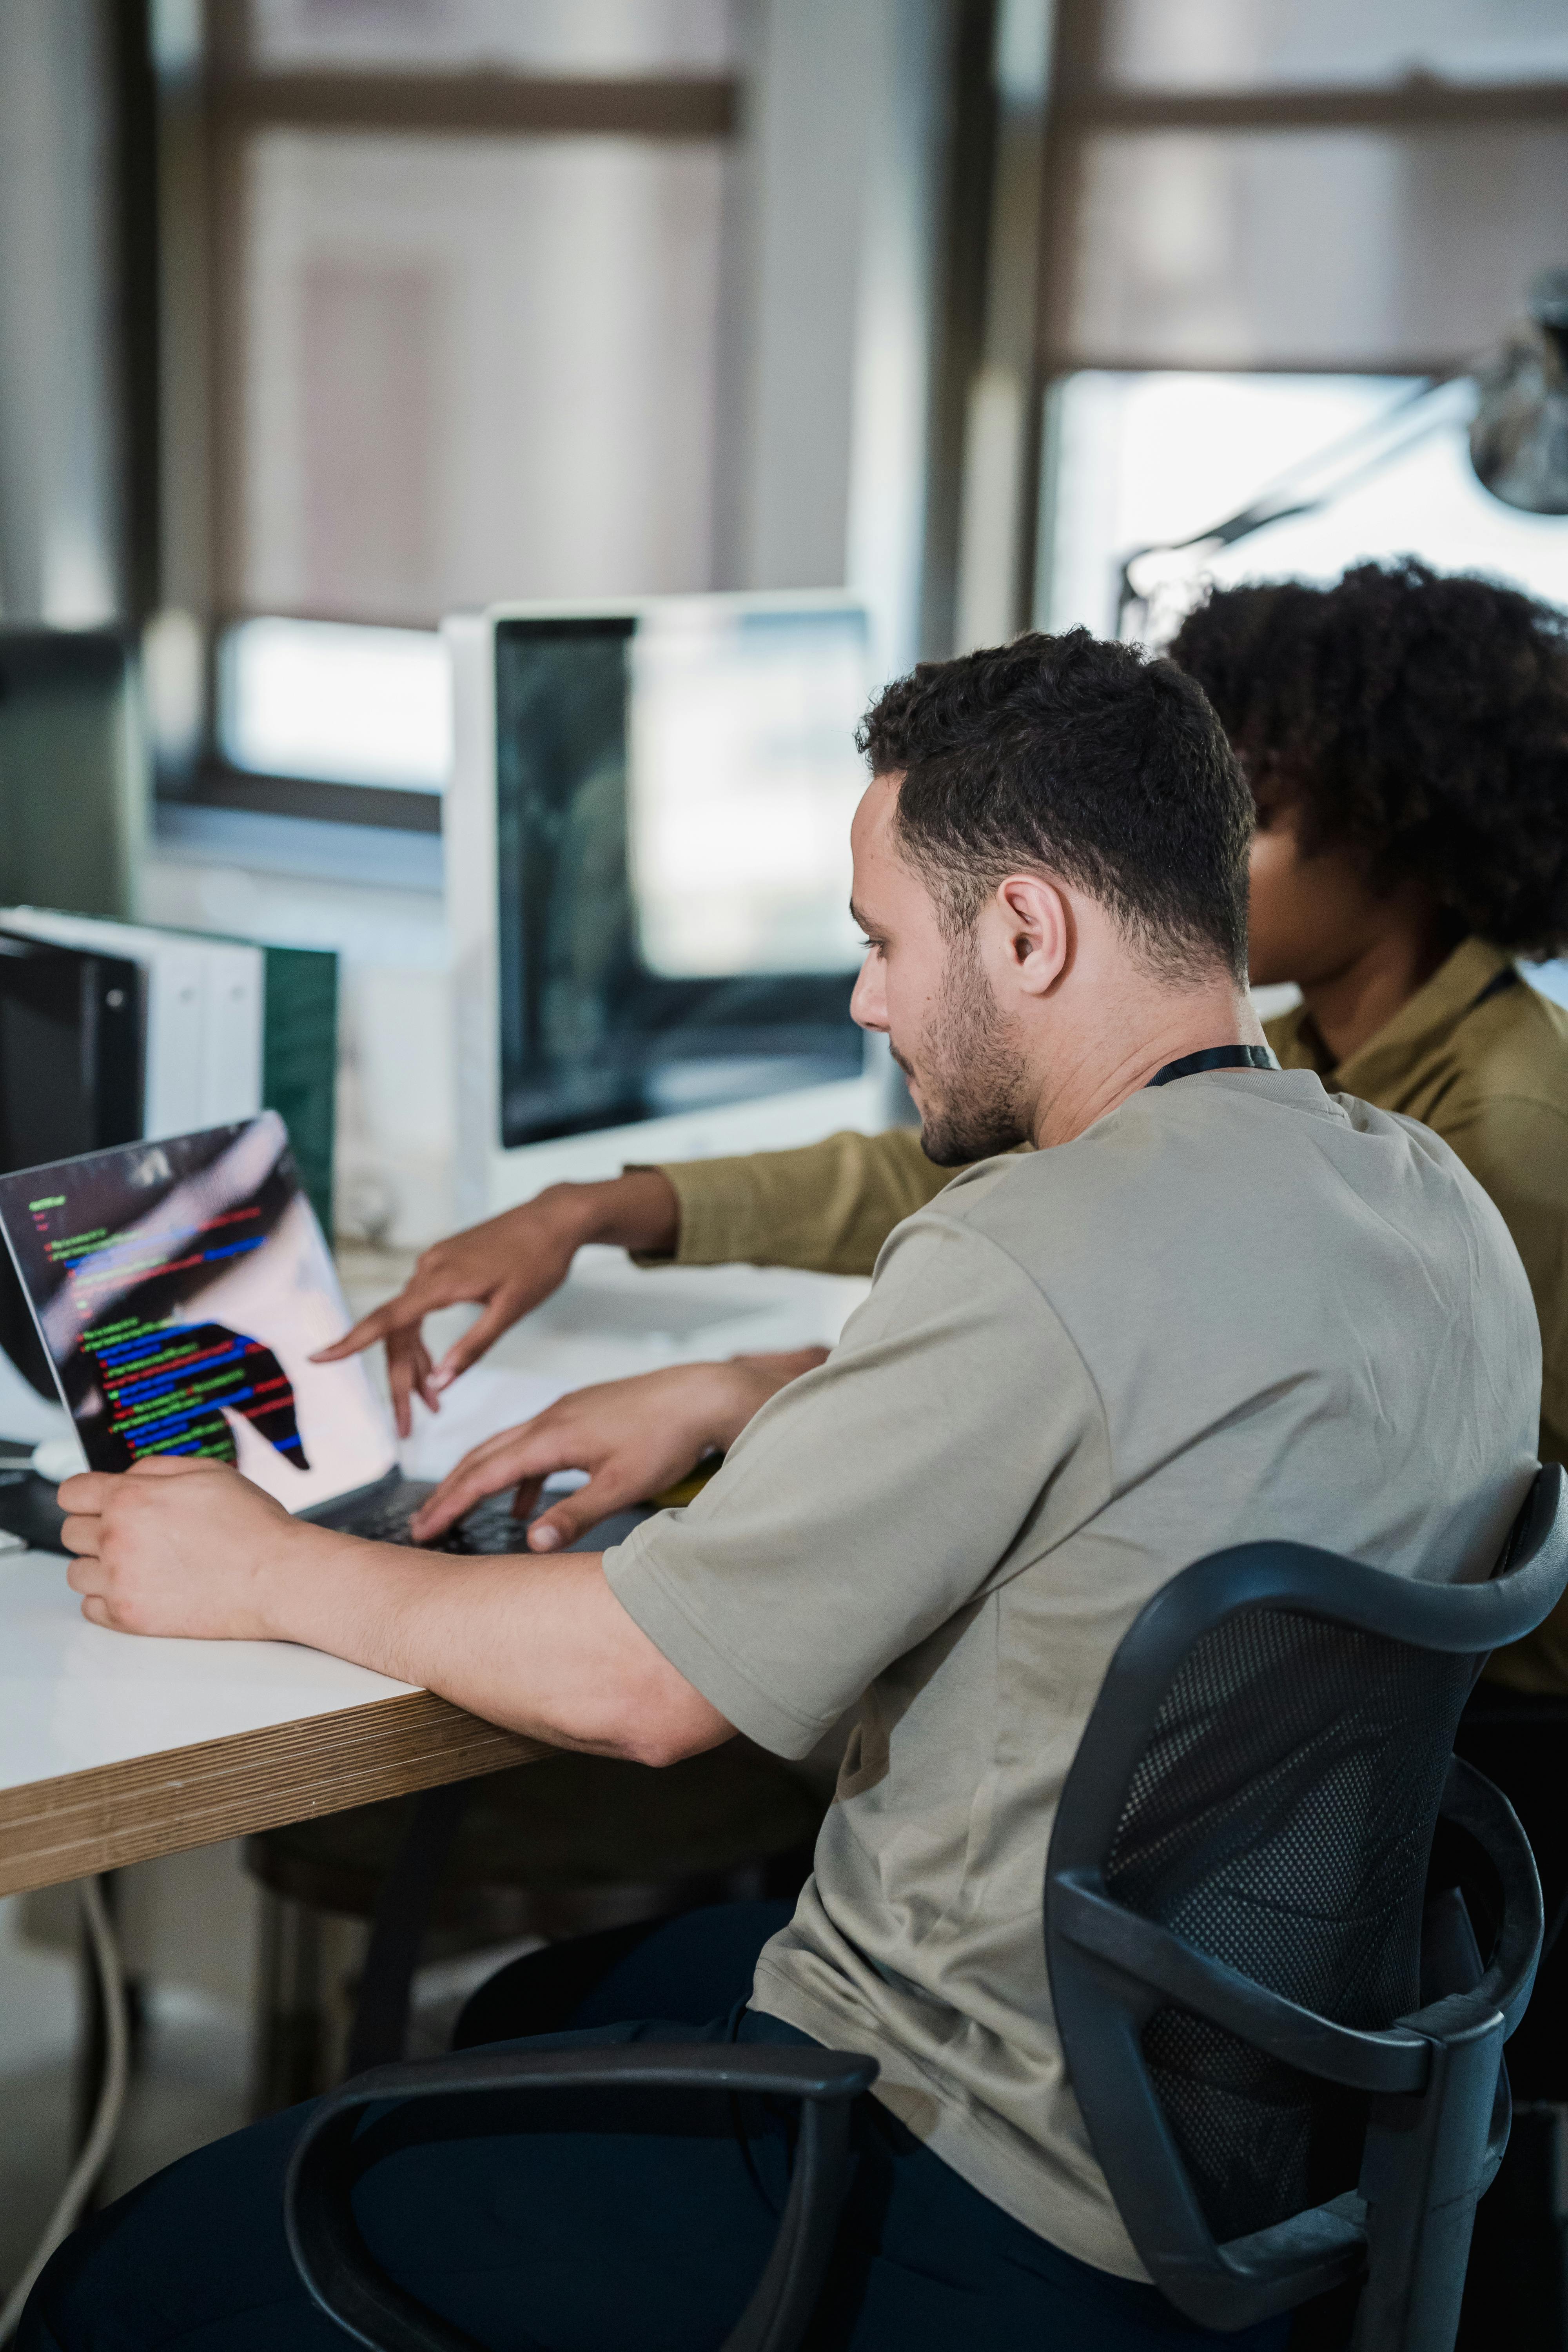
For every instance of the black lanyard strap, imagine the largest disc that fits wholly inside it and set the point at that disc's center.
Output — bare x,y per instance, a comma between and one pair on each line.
1216,1057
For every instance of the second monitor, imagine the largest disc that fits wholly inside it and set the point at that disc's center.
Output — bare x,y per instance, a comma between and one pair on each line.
648,838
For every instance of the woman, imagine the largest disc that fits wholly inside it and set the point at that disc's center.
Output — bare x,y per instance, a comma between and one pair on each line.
1405,736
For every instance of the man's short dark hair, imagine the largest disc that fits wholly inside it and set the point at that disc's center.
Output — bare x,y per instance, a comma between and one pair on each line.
1415,718
1081,758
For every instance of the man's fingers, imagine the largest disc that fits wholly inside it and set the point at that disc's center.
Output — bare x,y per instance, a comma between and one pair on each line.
80,1535
175,1465
85,1490
499,1462
529,1491
457,1494
610,1489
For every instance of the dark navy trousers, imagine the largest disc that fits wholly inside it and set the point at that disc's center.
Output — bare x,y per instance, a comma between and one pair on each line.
590,2224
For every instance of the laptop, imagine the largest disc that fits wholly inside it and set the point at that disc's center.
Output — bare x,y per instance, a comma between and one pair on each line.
179,1289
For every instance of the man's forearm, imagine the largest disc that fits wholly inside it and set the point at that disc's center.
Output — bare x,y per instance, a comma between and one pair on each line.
540,1646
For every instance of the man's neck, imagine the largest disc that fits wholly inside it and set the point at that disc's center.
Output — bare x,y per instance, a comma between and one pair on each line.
1140,1033
1348,1007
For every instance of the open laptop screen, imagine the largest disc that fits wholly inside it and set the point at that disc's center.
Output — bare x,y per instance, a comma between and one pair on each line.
179,1289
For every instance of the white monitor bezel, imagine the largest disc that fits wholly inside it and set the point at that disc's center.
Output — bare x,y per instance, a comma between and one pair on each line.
488,1177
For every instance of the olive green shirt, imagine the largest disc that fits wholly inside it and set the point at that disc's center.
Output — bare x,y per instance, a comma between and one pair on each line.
827,1206
1490,1078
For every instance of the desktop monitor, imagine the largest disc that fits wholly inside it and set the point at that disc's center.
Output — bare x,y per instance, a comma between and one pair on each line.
648,874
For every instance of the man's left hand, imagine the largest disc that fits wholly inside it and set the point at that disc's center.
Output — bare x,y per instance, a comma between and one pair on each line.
176,1546
189,1546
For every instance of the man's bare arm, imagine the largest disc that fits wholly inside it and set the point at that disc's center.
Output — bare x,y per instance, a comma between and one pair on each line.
541,1646
544,1648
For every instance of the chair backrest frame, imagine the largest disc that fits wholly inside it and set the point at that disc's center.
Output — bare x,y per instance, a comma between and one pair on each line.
1107,1964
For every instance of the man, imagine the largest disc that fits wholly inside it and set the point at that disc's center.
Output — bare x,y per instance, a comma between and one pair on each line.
1401,731
1083,1367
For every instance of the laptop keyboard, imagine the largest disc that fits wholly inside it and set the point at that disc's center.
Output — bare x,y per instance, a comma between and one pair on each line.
488,1528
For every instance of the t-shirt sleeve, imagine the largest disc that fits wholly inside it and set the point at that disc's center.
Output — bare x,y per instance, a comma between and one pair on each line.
828,1207
876,1496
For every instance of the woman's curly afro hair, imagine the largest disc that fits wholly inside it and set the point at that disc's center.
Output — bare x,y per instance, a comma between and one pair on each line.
1418,718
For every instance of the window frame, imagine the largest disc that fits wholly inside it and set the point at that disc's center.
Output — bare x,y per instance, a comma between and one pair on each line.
205,119
1081,103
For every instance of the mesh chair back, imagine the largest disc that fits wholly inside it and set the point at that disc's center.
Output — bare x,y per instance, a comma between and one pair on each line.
1279,1819
1254,1984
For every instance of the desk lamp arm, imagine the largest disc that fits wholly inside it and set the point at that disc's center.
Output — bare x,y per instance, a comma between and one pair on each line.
1276,502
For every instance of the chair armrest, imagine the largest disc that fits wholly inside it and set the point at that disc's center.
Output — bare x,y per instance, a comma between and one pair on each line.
344,2280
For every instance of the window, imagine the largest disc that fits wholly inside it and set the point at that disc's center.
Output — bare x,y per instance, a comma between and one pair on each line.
1270,218
1140,461
1258,218
456,338
340,704
1284,45
470,368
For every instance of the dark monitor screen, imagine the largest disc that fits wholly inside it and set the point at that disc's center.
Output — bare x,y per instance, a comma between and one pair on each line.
70,1051
70,1081
673,797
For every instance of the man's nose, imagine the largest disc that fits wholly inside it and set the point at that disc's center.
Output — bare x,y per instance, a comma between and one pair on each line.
868,1004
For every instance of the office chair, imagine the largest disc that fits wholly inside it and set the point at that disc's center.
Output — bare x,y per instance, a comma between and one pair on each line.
1284,2044
1258,2002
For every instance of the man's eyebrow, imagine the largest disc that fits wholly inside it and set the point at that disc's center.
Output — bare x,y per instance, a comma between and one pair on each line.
858,917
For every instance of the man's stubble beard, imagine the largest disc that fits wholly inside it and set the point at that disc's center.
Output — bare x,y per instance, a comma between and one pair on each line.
971,1072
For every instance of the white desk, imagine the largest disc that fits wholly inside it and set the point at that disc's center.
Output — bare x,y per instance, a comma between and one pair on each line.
114,1749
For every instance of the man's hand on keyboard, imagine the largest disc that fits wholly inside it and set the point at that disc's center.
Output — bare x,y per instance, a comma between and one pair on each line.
632,1437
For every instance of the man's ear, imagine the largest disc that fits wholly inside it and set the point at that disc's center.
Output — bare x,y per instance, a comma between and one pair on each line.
1035,922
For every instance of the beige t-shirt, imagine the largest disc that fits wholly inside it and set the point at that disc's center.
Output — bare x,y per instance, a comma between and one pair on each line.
1238,1306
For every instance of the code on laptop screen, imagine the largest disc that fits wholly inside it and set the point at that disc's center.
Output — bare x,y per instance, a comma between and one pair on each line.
179,1289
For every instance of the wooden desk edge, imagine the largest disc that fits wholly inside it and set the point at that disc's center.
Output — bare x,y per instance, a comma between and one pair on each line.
118,1813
